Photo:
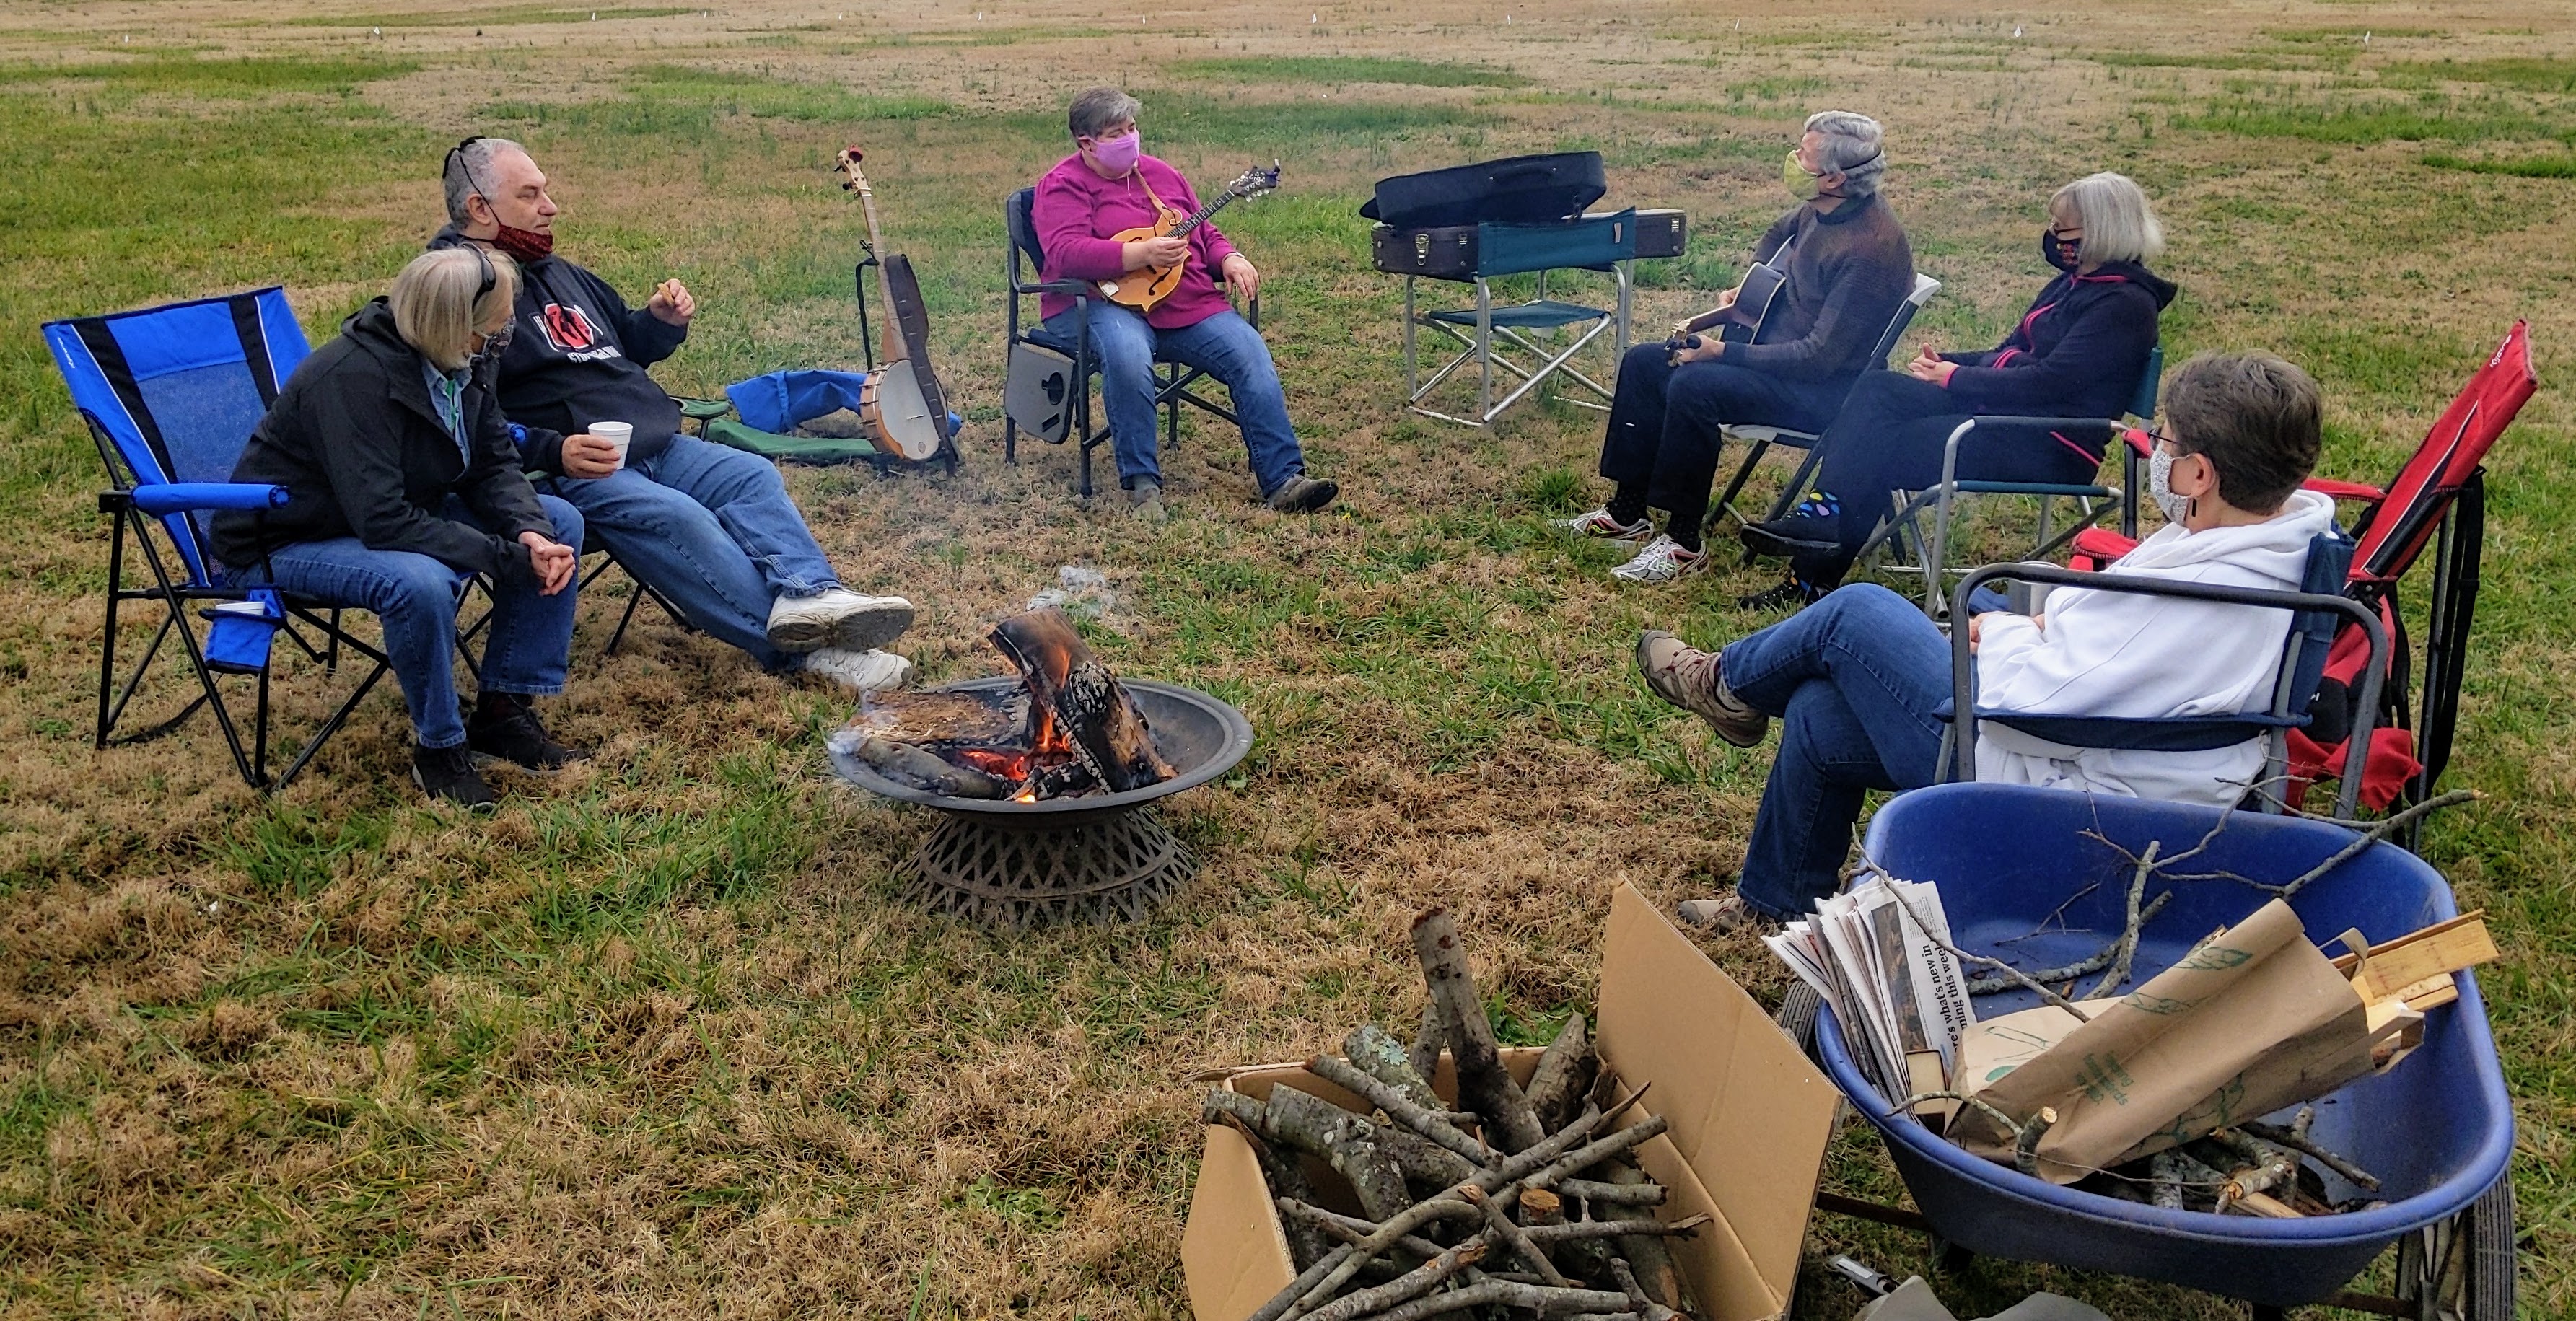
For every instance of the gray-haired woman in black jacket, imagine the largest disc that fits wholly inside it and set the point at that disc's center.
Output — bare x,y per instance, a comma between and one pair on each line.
2078,352
403,482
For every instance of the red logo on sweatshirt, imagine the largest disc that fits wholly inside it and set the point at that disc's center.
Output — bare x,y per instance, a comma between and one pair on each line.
569,328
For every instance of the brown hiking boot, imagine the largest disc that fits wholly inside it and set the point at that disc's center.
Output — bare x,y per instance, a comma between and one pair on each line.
1688,678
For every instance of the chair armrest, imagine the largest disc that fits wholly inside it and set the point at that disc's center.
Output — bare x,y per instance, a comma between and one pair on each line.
2327,486
1070,288
1963,674
182,497
702,410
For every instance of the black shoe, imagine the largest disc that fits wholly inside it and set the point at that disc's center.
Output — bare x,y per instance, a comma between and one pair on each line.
505,728
448,774
1797,534
1791,593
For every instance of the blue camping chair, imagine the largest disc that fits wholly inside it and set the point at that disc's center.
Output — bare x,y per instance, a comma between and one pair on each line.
1171,385
170,395
2093,501
2318,611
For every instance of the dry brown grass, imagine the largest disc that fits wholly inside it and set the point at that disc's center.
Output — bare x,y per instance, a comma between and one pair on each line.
658,1041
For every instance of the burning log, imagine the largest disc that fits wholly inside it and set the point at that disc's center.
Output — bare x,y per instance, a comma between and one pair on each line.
914,765
1455,1220
1069,729
1075,696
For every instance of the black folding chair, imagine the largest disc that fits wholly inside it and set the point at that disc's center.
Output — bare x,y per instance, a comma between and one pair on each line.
2318,611
1073,395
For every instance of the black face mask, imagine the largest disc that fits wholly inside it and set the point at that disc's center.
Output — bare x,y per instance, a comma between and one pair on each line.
2058,252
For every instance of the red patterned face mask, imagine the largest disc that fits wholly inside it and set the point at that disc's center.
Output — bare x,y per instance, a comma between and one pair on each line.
524,245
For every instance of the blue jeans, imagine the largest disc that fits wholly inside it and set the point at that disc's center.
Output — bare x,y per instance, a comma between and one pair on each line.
1854,679
413,596
711,528
1226,347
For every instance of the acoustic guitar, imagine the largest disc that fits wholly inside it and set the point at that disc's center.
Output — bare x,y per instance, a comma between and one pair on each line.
1741,318
905,411
1146,287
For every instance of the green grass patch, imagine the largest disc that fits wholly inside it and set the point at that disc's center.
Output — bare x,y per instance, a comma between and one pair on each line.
1285,128
513,16
1335,69
225,79
2524,75
2350,32
2124,59
2529,167
2313,121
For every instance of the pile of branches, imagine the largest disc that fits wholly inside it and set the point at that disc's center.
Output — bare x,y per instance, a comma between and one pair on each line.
2252,1169
1518,1202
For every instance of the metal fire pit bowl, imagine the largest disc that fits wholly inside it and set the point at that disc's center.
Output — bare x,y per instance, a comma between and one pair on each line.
1082,859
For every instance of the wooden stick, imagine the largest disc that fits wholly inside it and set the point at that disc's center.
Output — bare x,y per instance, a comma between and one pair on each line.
2127,945
1563,1075
2304,1145
1598,1192
1427,1041
1500,1227
1573,1230
2378,831
1348,1229
1286,1298
1347,1142
1483,1085
1536,1298
1378,1054
2051,997
1646,1253
1405,1287
1400,1107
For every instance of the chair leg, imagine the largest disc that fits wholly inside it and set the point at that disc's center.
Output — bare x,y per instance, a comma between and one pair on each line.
107,650
633,599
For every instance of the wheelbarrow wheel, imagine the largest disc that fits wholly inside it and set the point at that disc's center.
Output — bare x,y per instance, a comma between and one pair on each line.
2462,1269
1797,1016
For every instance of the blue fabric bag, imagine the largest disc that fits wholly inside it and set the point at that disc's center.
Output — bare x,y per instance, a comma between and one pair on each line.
778,401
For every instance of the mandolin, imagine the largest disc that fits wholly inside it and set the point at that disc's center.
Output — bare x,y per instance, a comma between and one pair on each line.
905,410
1146,287
1740,318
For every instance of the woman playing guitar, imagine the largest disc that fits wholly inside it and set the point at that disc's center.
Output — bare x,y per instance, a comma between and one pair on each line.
1105,189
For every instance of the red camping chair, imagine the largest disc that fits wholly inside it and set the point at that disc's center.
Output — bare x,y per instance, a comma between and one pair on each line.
2438,498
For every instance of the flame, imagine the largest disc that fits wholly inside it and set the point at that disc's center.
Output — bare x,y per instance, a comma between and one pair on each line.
1028,794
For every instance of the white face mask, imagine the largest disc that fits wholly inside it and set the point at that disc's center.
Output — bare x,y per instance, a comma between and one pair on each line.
2160,485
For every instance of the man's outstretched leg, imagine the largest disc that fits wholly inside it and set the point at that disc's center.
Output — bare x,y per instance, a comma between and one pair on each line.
809,609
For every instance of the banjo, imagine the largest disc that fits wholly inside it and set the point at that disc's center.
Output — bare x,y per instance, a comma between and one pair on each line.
902,405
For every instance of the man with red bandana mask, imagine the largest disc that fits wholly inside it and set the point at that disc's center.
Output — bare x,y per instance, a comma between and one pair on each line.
708,527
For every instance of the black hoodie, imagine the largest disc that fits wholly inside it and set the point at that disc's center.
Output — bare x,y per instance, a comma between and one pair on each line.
362,453
578,357
2077,352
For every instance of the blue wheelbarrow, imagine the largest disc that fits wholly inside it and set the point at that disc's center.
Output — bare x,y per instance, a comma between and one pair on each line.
2437,1129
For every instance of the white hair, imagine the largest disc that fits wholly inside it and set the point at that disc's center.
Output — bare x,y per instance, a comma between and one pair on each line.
1854,148
469,170
2119,225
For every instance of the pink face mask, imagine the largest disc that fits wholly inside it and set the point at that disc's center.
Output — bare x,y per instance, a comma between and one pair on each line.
1118,155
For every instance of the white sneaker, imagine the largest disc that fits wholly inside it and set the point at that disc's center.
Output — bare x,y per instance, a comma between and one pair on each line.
1600,524
1662,561
859,671
837,618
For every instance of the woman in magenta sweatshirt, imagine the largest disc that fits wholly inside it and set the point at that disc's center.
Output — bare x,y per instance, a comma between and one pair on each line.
1109,185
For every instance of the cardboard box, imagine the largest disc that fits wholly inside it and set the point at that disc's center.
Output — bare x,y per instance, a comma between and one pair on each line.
1749,1115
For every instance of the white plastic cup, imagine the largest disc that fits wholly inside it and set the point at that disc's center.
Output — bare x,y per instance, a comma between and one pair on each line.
619,434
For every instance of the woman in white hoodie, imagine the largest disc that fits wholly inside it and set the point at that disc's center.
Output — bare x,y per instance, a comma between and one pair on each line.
1856,677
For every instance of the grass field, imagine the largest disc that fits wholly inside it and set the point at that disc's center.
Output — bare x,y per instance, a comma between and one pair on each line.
658,1039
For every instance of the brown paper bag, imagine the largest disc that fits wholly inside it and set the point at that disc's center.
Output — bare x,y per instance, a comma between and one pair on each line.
2253,1019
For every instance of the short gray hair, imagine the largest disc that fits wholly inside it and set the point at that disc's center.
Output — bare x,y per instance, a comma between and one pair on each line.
434,304
2118,223
1099,107
1854,148
468,169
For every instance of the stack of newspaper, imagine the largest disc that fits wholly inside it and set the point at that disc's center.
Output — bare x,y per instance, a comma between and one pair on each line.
1894,987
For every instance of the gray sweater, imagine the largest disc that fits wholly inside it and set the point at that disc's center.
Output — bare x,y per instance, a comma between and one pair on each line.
1848,270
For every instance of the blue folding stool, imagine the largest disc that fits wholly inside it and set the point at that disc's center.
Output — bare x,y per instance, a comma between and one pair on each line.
171,395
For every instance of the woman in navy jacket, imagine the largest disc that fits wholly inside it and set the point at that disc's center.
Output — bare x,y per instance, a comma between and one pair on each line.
2078,352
